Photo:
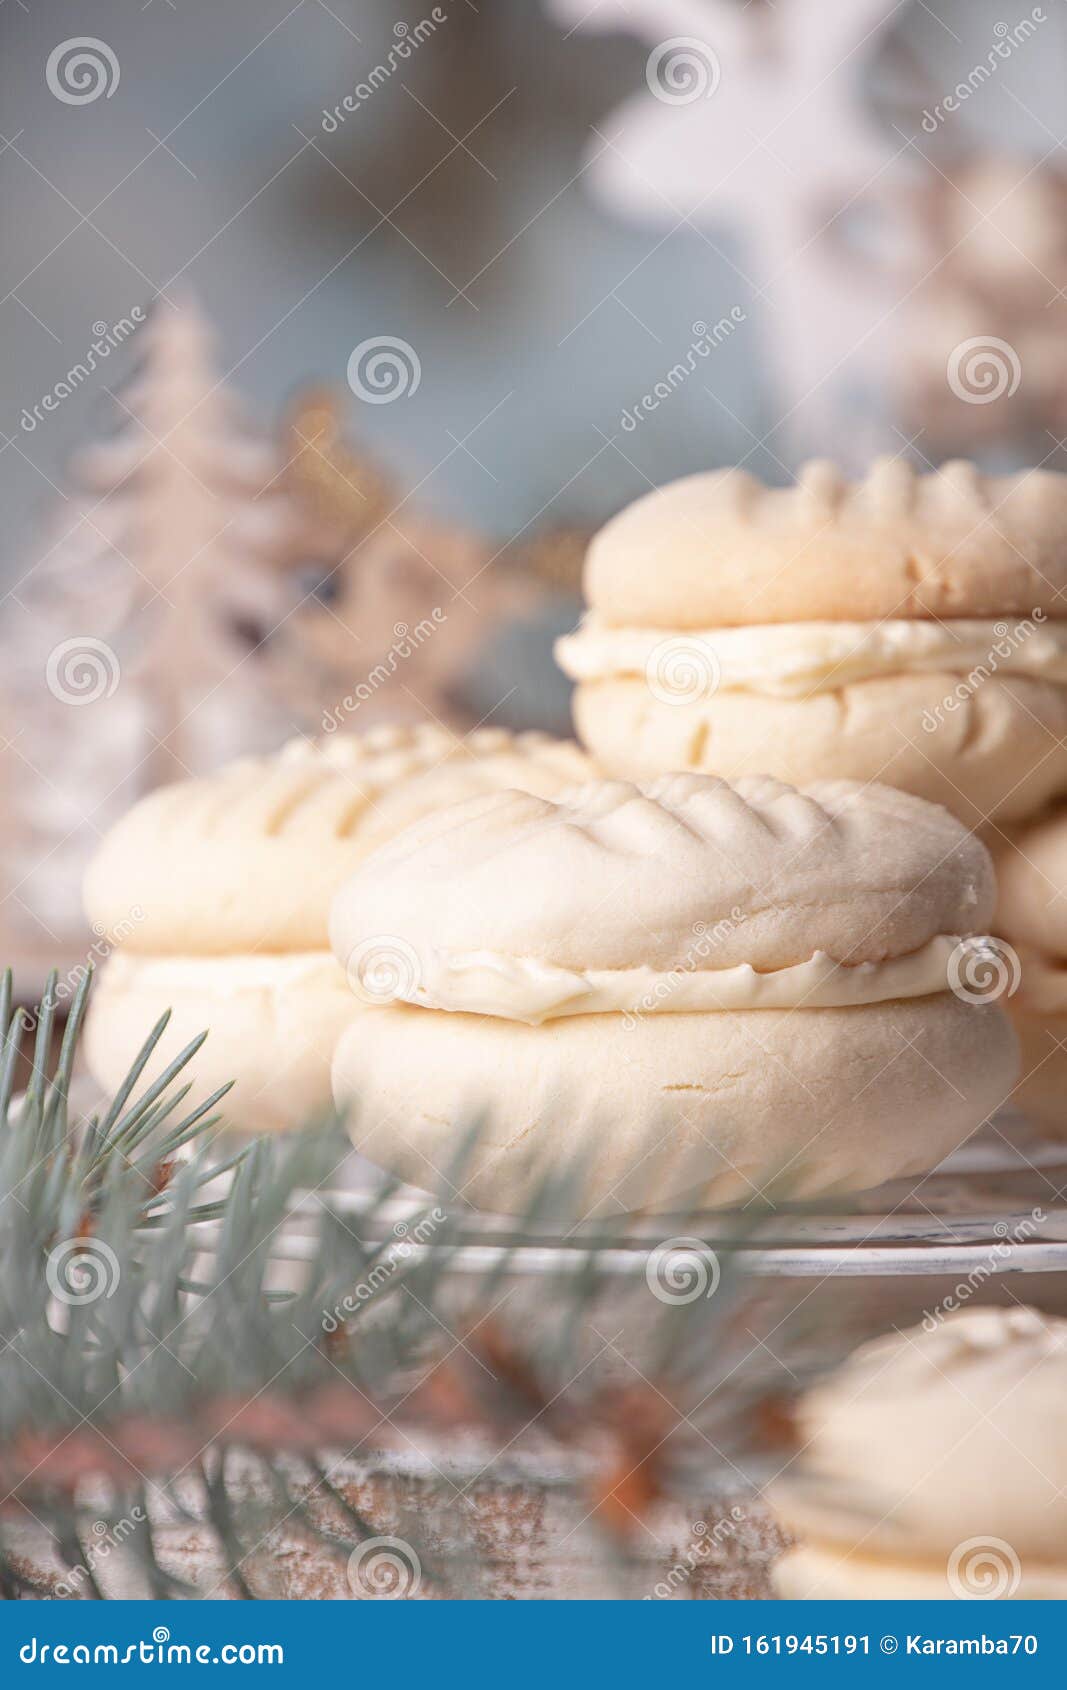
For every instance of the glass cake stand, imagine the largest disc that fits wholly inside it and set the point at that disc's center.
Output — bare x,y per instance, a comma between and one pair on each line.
998,1205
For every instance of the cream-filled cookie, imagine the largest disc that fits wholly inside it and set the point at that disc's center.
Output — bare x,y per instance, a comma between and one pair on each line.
909,629
934,1465
684,991
1032,916
216,892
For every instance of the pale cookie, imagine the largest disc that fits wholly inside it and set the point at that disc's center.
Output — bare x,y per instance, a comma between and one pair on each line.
1000,752
934,1464
688,985
1042,1090
216,892
672,1110
274,1024
247,859
910,629
1032,915
722,550
1032,886
811,1572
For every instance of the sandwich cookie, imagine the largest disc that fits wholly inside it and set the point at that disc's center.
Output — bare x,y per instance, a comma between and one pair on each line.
216,892
909,629
684,991
1032,916
934,1466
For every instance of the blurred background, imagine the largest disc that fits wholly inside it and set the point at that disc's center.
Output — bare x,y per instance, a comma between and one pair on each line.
332,329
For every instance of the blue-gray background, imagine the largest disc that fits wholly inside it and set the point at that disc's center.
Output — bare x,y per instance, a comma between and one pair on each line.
282,241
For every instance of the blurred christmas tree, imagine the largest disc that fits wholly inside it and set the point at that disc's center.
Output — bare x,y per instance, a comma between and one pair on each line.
132,648
208,590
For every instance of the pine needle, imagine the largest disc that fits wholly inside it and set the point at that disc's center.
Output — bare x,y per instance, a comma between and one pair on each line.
213,1339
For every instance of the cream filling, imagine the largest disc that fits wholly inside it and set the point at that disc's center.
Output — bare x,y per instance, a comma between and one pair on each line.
796,659
222,975
526,989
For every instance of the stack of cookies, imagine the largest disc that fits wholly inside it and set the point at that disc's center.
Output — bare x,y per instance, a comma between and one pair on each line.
215,893
909,629
687,986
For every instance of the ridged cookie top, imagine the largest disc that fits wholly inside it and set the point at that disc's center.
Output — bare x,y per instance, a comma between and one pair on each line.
948,1431
249,857
721,550
686,871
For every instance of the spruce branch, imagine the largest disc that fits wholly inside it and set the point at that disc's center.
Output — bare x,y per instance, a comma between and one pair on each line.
214,1375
